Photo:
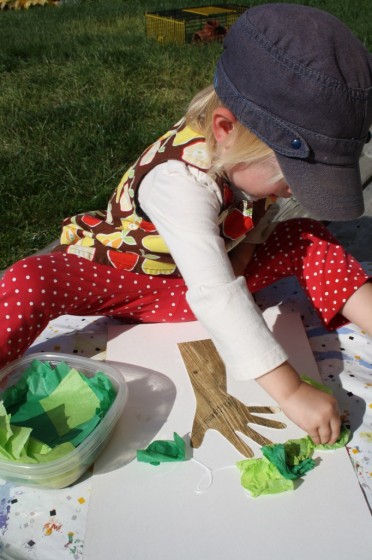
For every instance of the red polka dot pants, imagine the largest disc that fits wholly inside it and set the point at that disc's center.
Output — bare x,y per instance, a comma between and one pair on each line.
40,288
306,249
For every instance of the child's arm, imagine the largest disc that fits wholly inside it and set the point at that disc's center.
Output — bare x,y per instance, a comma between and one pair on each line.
185,213
312,410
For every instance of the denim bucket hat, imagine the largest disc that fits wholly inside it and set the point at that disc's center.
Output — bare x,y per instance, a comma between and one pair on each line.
302,82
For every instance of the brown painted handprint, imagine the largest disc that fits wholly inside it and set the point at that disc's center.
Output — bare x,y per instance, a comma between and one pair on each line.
215,408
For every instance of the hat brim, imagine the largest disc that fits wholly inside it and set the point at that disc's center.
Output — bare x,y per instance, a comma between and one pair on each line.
328,192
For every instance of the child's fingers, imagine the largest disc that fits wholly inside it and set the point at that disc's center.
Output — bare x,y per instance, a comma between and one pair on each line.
315,437
325,434
336,429
329,433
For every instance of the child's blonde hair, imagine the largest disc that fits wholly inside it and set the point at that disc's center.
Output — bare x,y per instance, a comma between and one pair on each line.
246,147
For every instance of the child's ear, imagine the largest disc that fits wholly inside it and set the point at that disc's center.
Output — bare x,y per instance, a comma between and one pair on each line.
223,121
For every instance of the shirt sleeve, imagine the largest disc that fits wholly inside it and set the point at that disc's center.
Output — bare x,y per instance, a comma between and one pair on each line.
184,203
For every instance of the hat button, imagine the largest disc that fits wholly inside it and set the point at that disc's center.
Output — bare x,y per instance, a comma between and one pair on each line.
296,143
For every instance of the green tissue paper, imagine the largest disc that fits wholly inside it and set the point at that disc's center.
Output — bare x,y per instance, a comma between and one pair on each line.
292,459
259,476
163,451
282,463
341,442
50,411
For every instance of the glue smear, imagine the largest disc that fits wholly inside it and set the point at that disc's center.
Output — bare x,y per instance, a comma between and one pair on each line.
207,479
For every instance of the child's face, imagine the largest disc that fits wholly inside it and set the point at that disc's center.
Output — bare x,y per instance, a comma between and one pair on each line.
259,179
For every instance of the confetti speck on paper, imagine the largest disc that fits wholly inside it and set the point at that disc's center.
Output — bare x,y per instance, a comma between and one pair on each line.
75,547
50,527
70,537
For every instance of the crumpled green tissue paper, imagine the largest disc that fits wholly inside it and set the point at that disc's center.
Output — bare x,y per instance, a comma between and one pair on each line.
259,476
345,432
293,458
283,463
50,411
341,442
163,451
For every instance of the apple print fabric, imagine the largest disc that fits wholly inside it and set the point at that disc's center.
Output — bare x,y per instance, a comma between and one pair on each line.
124,238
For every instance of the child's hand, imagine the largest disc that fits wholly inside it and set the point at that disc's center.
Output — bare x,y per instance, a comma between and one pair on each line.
315,412
312,410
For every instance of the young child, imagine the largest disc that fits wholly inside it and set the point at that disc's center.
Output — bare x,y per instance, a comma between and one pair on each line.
289,113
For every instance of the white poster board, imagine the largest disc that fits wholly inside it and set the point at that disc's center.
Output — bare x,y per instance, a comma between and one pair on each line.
198,509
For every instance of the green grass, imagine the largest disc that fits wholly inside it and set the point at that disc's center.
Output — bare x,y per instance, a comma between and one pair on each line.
83,91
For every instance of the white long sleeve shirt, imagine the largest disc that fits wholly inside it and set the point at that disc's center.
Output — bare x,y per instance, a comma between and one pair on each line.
184,203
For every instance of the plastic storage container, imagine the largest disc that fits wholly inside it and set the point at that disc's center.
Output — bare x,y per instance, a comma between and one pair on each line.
64,471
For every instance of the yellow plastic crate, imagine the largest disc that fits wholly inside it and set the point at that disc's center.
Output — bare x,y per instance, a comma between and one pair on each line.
193,24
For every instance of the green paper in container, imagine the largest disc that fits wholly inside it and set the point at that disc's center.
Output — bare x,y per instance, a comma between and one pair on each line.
56,415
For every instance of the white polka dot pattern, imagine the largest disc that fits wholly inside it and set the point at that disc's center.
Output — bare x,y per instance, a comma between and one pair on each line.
41,288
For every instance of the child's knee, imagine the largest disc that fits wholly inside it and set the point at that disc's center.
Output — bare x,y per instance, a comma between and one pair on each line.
27,276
